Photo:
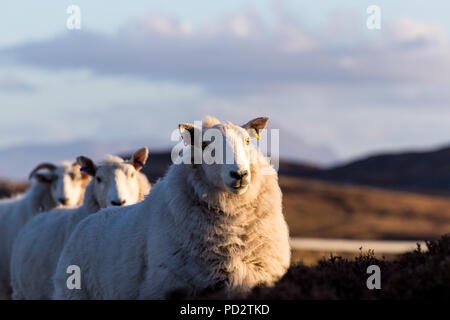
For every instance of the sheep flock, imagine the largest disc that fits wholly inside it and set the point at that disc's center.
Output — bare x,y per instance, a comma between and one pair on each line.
100,230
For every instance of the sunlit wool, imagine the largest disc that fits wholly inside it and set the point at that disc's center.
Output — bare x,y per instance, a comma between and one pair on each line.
38,245
190,233
45,193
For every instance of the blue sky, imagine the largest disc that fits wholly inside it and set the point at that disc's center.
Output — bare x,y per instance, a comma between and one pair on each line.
313,67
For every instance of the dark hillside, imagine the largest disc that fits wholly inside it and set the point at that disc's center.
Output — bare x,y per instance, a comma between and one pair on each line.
413,171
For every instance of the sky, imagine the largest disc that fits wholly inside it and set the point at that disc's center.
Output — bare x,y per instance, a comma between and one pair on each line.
137,69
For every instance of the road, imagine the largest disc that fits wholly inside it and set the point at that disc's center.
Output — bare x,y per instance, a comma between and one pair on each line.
344,245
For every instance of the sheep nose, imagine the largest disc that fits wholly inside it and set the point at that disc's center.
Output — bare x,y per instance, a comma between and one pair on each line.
118,203
238,175
63,201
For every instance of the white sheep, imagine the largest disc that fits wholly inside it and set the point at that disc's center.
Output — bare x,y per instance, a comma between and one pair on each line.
203,226
51,186
37,247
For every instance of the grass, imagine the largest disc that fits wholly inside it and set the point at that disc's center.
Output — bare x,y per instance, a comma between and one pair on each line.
312,258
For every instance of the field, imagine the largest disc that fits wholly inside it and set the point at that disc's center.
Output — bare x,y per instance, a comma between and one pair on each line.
331,210
320,209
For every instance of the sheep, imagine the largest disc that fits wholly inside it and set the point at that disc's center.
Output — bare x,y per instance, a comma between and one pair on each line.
39,243
203,227
51,186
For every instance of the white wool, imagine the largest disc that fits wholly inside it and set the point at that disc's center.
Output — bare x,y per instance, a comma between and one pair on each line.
38,245
209,121
110,159
172,240
14,213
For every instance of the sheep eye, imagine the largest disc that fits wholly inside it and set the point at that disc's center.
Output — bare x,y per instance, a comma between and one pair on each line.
132,175
247,141
99,180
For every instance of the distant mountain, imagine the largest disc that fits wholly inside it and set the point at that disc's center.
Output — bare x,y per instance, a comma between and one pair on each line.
425,172
412,171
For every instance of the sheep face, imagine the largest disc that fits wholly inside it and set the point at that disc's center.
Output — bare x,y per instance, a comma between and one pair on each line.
68,185
116,182
225,150
231,168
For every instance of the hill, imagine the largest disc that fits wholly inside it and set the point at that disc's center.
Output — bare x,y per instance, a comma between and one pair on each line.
322,209
427,172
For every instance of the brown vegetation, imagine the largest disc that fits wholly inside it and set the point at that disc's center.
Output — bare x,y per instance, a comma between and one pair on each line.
331,210
413,275
9,189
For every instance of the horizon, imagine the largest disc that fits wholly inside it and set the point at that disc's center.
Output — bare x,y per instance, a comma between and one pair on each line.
99,149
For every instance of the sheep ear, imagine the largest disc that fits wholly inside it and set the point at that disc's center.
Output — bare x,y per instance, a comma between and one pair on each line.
87,166
41,177
139,158
189,132
255,126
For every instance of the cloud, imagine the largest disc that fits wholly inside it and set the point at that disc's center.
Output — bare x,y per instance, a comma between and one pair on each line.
340,85
13,84
243,53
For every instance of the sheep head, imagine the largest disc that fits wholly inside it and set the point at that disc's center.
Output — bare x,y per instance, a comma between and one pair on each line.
222,150
115,181
67,183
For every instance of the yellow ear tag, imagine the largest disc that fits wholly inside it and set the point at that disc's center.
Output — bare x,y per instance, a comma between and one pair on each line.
256,134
